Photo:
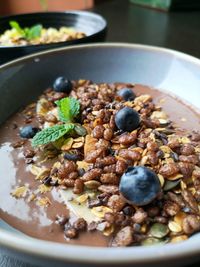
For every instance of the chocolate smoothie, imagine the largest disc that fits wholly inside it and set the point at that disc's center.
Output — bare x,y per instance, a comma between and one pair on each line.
35,205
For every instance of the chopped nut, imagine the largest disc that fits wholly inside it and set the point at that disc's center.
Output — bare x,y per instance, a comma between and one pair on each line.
91,174
123,237
129,154
80,224
191,224
190,200
168,170
116,202
109,178
140,216
71,233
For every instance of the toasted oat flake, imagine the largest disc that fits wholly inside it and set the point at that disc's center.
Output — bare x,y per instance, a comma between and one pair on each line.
179,238
39,172
174,226
67,144
89,144
100,211
83,165
82,198
178,218
166,149
109,230
20,192
44,189
77,145
159,115
43,202
184,140
31,197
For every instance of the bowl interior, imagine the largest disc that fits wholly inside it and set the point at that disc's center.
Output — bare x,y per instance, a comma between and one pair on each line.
160,68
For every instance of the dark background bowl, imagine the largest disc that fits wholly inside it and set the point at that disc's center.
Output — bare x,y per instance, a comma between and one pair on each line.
90,23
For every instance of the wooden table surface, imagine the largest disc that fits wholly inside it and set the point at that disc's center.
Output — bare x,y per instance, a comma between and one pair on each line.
133,24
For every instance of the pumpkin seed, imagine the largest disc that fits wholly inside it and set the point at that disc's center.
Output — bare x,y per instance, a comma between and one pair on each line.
80,130
150,241
161,179
170,184
159,230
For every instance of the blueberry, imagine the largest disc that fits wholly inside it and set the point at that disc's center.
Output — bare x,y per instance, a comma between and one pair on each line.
127,94
28,131
139,185
127,119
62,84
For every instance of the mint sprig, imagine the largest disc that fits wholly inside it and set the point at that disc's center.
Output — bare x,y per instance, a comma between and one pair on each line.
51,134
69,108
28,33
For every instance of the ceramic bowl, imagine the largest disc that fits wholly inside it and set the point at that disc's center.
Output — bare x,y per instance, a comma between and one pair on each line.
157,67
90,23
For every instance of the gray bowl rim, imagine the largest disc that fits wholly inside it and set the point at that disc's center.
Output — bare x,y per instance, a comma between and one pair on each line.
86,254
76,12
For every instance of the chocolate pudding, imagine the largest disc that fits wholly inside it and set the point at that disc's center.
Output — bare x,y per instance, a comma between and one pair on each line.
70,189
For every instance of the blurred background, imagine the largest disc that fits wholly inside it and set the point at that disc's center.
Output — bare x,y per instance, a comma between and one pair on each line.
8,7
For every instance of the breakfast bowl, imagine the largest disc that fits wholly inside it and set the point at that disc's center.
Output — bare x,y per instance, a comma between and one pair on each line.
90,26
23,80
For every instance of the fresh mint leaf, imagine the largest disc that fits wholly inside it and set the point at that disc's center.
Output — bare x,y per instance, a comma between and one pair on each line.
51,134
34,32
15,25
68,109
29,32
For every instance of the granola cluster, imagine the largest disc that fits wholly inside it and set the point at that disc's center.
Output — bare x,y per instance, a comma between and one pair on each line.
87,169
